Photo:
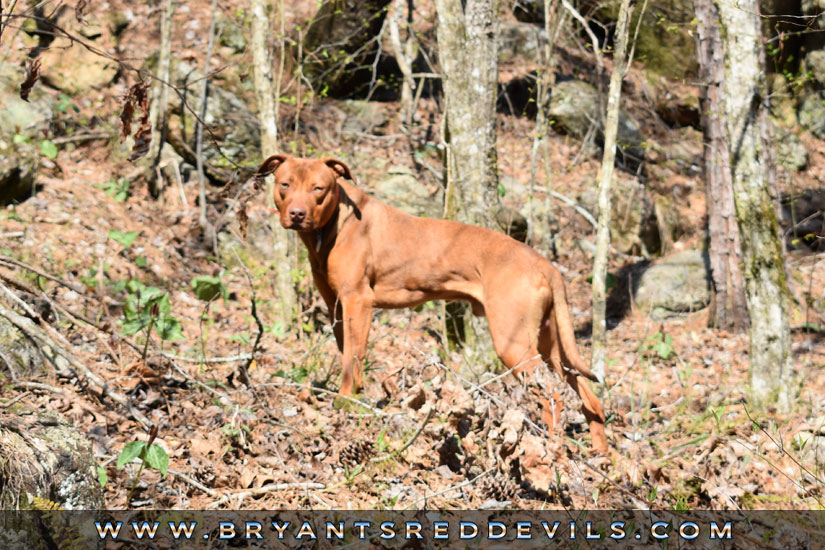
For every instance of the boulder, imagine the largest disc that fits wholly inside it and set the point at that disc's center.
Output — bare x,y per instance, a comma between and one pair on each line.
633,226
812,113
783,101
28,118
403,189
363,117
815,63
233,125
679,283
44,456
18,168
575,106
790,153
520,41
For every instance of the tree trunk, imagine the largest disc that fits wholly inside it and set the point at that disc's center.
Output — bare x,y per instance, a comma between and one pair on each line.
263,79
467,52
611,126
728,307
160,100
766,287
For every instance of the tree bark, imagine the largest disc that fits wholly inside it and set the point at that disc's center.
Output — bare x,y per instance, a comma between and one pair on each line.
728,307
160,100
766,287
264,82
611,126
468,54
467,51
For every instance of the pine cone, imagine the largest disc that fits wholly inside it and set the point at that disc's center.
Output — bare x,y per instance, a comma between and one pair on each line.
355,453
498,487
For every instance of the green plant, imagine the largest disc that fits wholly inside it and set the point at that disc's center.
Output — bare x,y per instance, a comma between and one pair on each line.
124,238
148,308
207,288
661,345
118,189
150,455
48,149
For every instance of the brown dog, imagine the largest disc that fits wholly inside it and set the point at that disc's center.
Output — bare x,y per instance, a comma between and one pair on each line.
366,254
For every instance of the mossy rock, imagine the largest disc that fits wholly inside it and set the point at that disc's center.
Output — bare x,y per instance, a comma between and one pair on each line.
18,168
44,457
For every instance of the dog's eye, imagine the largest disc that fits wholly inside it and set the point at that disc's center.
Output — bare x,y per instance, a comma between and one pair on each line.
284,185
319,189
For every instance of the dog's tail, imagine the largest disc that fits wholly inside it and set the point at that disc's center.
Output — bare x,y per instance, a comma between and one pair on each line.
564,325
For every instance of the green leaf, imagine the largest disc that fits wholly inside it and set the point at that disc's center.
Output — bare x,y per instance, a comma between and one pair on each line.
124,238
141,261
19,138
169,329
48,149
157,458
130,452
208,288
101,476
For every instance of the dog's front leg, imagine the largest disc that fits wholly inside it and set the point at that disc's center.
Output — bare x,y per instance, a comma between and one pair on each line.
357,315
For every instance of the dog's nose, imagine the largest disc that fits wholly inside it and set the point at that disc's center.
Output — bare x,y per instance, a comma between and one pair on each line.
297,214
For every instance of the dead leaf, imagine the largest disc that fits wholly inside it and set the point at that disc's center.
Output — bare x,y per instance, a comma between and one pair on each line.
78,10
32,74
511,425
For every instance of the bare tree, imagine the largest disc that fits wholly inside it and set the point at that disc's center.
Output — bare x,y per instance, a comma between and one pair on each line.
468,54
728,308
264,91
766,288
611,125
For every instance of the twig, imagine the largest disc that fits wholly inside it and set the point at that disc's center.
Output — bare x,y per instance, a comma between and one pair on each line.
15,400
28,326
38,386
17,263
377,412
12,235
452,488
203,221
75,138
257,343
409,442
576,206
204,359
271,488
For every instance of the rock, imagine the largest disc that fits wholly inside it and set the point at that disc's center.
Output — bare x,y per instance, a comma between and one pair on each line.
233,124
633,227
117,20
684,152
48,458
18,168
402,189
575,106
70,67
679,283
783,101
790,153
520,41
18,116
815,63
812,113
233,34
363,117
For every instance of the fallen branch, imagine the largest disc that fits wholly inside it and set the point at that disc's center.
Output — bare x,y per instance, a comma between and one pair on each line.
17,263
29,327
452,488
576,206
409,442
271,488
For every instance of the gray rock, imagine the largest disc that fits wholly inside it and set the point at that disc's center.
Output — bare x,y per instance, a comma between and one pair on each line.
633,227
233,34
363,117
18,116
790,153
402,189
812,114
233,124
18,168
679,283
520,41
46,457
815,62
575,107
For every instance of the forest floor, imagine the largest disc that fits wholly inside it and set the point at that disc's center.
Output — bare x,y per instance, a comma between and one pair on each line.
680,430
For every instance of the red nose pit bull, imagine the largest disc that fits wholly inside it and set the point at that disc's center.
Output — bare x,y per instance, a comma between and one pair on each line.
366,254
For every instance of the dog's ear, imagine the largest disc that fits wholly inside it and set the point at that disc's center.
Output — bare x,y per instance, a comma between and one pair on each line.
340,168
270,165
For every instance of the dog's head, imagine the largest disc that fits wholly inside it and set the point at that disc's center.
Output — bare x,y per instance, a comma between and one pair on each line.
306,190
